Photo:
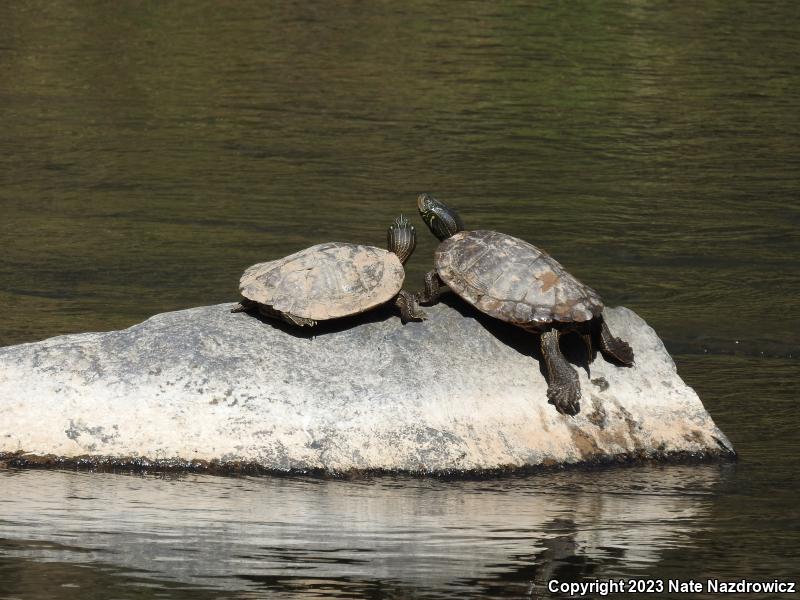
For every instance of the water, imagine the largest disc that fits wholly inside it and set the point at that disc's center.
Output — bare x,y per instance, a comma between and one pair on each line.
151,151
366,538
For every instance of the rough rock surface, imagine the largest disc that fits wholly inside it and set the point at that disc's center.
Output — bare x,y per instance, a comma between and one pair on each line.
456,393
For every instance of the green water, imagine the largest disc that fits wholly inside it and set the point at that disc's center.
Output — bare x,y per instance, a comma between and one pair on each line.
150,151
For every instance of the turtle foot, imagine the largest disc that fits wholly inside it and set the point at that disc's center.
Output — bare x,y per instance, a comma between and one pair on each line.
244,305
565,397
433,289
622,352
415,315
563,385
409,309
614,348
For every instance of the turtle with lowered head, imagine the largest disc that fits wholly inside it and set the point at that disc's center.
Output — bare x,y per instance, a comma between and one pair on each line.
333,280
514,281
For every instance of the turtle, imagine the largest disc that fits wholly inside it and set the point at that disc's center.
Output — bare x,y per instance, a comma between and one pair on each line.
514,281
332,280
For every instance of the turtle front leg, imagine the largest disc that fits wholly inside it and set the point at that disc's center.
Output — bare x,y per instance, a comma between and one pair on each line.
613,348
433,289
563,386
409,309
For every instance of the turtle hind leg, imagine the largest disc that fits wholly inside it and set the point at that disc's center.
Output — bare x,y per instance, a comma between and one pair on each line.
563,386
272,313
295,320
409,309
613,348
244,305
265,310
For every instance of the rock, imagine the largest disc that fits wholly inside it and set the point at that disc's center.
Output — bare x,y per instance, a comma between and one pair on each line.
457,393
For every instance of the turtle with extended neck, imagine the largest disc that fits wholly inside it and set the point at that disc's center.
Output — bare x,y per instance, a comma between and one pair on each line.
333,280
514,281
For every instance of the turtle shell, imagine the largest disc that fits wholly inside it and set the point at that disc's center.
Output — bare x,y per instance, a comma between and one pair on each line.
325,281
512,280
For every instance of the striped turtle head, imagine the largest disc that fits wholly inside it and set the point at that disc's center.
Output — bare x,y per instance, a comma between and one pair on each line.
401,238
442,220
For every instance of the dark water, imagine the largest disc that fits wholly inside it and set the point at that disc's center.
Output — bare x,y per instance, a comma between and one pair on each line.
150,151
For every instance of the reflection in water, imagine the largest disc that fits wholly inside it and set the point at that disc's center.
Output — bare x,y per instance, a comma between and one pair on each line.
357,538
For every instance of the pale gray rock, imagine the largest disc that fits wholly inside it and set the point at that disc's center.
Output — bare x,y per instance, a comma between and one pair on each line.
457,393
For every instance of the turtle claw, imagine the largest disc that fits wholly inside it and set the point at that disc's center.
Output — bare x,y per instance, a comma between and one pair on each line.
409,309
563,385
417,315
624,353
565,397
614,348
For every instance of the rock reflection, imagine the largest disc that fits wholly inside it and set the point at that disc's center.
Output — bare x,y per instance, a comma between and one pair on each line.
366,538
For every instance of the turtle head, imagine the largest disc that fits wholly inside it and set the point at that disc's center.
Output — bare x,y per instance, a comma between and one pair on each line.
401,238
442,220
